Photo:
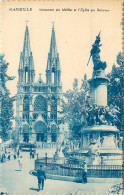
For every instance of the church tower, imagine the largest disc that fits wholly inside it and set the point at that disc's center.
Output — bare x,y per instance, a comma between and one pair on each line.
38,103
25,83
53,71
26,65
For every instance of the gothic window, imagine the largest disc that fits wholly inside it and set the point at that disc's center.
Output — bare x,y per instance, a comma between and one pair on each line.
26,116
26,74
40,104
35,115
53,133
25,128
26,89
26,107
26,103
52,77
53,137
53,113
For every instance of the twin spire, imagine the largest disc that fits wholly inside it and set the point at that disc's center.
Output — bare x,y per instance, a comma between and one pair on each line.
26,58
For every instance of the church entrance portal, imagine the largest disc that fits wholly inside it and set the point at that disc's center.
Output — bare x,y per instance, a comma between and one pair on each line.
41,131
25,133
25,137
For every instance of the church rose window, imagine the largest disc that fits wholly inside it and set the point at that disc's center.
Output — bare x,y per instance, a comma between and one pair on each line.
40,104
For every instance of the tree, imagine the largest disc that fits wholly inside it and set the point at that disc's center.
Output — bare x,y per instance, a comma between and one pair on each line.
6,101
115,97
76,102
79,111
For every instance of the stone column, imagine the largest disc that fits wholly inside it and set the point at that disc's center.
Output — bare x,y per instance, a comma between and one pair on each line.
98,88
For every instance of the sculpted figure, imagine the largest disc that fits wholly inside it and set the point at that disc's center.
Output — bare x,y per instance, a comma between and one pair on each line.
95,54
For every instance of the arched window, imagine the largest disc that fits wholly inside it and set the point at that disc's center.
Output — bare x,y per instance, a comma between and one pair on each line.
54,133
53,77
26,103
25,133
40,104
26,107
53,113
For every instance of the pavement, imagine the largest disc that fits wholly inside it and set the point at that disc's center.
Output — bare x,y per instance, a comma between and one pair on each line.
16,182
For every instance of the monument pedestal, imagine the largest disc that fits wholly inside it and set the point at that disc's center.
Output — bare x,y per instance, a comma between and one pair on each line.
105,148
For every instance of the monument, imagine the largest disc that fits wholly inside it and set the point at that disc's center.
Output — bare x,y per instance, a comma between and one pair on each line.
99,143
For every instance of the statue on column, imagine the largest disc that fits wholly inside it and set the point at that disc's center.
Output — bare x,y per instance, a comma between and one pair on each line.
95,54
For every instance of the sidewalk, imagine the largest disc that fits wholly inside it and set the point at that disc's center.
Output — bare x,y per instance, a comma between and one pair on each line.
18,182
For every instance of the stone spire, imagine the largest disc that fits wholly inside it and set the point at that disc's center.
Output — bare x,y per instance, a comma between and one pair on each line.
53,71
53,56
53,47
26,47
26,63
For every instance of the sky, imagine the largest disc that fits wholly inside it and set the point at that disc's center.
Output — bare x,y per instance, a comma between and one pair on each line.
75,33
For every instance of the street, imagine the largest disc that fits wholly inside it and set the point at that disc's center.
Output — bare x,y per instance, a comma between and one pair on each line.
14,181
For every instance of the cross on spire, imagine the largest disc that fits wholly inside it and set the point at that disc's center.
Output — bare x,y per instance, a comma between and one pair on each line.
26,22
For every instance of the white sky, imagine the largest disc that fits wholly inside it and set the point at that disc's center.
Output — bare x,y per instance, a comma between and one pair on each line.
75,33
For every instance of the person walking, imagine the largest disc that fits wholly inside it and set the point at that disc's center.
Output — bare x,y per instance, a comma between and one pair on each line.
41,176
30,154
18,153
20,163
85,173
9,156
14,156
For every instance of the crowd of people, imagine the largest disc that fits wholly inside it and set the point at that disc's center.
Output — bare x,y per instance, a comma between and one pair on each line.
7,154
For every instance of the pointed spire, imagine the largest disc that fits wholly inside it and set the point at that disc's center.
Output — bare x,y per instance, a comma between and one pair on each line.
26,47
53,56
21,61
53,47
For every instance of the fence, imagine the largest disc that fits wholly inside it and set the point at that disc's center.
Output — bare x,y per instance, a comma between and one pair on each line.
98,171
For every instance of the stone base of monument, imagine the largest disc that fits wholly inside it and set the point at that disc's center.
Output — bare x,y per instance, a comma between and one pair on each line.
100,145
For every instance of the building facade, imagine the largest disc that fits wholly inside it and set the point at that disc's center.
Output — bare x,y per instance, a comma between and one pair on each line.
38,103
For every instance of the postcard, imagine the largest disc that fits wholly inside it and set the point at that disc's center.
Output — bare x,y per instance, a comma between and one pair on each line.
61,97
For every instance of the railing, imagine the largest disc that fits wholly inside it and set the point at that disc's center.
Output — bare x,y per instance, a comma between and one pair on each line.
98,171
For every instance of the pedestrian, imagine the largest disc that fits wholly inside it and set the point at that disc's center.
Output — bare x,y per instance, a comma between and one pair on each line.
41,176
18,153
85,173
14,156
9,156
3,157
20,162
30,154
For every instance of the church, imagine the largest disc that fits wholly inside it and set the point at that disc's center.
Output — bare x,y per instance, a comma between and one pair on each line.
38,103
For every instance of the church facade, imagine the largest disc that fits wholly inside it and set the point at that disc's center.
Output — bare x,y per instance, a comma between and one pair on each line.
38,103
